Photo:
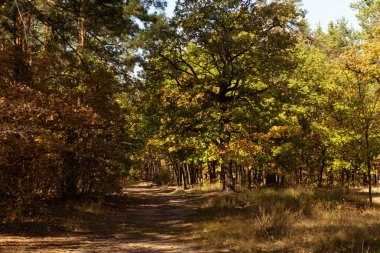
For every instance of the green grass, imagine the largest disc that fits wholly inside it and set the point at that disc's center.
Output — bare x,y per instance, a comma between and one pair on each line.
289,220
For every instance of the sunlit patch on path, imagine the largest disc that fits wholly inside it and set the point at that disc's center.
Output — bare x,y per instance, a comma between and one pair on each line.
150,219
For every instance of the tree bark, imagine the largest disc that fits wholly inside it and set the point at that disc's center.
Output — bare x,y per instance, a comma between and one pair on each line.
368,163
183,169
250,179
230,181
223,175
322,168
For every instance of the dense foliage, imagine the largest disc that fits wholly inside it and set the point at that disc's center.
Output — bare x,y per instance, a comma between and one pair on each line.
62,128
240,91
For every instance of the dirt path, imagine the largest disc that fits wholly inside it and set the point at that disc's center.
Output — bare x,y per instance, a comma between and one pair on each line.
149,219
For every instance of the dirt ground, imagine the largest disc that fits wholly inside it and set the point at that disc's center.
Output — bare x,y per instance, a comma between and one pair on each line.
147,219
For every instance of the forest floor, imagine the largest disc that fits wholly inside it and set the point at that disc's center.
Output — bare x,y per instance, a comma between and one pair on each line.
149,218
145,219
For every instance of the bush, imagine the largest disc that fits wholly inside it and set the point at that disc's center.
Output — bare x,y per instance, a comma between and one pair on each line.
133,175
162,177
274,223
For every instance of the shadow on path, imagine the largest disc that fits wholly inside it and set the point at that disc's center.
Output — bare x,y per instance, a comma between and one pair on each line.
145,219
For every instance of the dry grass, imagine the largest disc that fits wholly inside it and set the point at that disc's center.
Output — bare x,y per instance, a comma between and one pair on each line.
197,189
290,220
267,220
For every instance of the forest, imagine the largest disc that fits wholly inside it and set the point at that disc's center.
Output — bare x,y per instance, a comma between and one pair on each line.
240,94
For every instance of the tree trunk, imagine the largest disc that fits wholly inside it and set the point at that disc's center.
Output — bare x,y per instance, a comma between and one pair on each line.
322,168
213,171
250,179
230,181
177,173
236,173
81,25
223,175
180,176
183,170
368,166
187,173
209,171
369,180
21,69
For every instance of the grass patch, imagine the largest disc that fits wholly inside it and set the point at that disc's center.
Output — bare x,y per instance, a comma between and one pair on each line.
197,189
289,220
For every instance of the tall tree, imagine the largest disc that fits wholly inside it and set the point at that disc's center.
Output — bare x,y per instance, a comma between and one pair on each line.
63,72
219,58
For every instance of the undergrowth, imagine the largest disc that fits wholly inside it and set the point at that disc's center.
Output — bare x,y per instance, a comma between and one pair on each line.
290,220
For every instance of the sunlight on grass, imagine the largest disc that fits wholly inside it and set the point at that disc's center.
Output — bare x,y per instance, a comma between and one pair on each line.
196,189
290,220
